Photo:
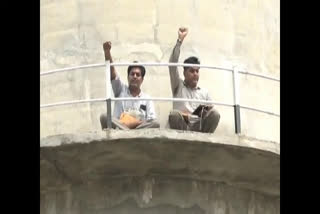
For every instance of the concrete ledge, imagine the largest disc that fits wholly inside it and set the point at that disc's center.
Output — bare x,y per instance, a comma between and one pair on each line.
235,140
95,157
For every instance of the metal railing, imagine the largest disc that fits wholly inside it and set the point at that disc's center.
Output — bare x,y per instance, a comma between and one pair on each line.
108,97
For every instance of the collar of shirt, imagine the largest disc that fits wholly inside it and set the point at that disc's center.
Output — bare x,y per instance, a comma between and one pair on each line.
129,93
196,88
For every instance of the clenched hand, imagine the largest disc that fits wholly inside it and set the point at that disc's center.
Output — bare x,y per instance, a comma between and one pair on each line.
107,46
182,32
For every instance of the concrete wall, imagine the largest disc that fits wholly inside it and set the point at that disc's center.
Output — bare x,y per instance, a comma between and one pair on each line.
153,172
156,195
244,33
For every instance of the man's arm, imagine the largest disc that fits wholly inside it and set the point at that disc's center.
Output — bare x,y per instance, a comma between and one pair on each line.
107,56
174,58
209,106
151,113
116,82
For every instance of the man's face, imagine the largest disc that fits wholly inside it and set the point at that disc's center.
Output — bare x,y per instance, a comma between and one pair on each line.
191,76
135,78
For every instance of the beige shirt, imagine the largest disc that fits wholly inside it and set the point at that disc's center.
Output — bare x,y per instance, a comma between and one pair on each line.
180,89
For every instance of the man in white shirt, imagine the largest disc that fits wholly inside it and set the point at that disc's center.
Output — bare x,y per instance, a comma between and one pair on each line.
184,116
142,110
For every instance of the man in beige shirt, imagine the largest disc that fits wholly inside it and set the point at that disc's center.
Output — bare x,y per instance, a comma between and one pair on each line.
206,119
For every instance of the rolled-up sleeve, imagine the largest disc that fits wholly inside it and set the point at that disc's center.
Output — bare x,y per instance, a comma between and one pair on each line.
208,97
118,109
117,86
151,113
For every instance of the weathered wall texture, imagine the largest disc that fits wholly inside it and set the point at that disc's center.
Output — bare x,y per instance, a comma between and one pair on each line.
242,33
151,172
145,195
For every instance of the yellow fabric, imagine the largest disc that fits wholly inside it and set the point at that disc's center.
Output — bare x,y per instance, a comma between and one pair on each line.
127,119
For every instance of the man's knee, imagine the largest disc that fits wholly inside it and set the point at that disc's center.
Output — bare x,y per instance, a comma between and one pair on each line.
174,113
176,120
103,120
175,116
211,121
155,124
213,114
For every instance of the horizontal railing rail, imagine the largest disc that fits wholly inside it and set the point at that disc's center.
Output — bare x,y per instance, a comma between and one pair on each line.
131,98
108,97
155,64
72,68
152,99
260,75
259,110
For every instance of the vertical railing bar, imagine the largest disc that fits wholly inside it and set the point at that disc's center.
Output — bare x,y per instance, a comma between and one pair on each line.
237,121
108,94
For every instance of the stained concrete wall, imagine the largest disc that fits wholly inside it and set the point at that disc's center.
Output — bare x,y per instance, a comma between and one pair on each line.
243,33
156,195
152,171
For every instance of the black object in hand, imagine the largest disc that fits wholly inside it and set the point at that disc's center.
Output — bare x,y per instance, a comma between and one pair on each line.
199,109
143,107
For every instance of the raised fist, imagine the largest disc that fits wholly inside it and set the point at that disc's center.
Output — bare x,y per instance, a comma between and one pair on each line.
182,32
107,46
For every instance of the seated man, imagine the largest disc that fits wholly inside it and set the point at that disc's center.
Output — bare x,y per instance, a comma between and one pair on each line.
129,114
189,115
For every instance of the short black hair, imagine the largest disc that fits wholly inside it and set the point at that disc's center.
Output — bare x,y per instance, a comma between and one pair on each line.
191,60
142,69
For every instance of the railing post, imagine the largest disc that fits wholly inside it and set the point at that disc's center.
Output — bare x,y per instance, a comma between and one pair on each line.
236,97
108,94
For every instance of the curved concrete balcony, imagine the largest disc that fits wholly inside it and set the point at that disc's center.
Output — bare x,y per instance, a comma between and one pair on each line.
155,170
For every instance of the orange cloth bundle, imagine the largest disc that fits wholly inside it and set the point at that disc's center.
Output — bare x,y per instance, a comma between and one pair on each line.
127,119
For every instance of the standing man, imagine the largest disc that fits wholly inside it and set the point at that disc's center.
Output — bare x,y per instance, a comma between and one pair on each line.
189,115
129,114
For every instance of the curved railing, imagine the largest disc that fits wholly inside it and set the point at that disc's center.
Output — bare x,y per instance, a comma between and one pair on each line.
108,98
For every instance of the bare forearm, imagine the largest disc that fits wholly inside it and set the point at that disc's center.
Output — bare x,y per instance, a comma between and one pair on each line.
107,56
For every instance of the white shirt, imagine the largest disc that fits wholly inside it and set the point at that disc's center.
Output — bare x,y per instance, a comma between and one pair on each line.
130,106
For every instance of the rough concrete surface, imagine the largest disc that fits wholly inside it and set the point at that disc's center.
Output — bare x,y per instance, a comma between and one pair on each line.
157,171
